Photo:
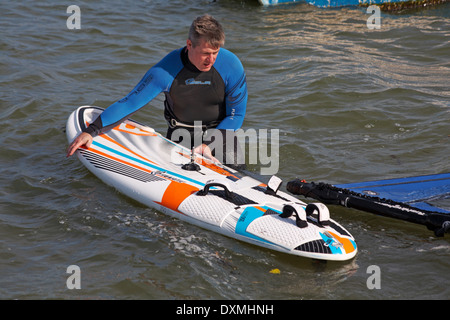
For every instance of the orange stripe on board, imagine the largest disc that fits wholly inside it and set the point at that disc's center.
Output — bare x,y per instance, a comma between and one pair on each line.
128,128
348,245
260,208
125,162
175,193
122,146
115,159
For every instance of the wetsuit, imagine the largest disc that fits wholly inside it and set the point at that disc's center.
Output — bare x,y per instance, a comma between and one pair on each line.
217,97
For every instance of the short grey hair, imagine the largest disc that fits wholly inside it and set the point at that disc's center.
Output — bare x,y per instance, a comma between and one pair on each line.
207,28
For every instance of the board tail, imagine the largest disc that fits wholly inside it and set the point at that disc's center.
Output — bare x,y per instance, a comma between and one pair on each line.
438,222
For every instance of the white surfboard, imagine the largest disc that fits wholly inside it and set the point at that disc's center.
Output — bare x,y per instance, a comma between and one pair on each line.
149,168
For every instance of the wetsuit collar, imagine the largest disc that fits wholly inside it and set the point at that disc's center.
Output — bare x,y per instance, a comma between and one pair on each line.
186,62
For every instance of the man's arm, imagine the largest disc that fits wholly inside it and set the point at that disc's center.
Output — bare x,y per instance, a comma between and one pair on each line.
116,113
236,95
159,78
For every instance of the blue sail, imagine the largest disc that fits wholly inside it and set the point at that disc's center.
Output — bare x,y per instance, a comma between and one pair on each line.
421,199
333,3
420,192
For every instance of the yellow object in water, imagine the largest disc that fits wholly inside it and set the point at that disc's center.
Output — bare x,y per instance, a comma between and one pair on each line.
275,271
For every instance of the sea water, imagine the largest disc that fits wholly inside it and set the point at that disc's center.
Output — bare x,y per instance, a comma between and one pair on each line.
351,104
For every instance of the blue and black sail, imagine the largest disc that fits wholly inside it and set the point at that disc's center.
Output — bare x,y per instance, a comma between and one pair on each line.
411,199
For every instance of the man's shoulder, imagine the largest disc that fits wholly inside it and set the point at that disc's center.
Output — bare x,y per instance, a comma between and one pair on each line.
227,55
171,64
172,57
228,62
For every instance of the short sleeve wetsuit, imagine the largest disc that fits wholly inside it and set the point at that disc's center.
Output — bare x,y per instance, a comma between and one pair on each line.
217,97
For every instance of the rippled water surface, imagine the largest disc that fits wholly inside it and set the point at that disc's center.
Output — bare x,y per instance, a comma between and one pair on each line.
352,104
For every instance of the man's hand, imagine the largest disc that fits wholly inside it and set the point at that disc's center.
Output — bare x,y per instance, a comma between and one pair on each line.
84,139
205,151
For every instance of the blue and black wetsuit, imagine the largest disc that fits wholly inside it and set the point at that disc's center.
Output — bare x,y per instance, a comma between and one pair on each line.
217,97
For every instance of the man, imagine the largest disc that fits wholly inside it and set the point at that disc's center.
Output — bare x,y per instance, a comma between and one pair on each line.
202,82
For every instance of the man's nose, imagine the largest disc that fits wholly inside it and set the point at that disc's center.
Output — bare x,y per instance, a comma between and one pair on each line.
210,57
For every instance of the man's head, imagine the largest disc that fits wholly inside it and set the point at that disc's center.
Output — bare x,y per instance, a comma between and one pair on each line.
206,36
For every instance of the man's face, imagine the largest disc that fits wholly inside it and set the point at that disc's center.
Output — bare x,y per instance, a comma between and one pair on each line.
203,55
